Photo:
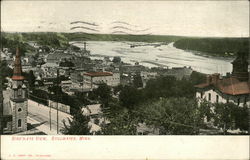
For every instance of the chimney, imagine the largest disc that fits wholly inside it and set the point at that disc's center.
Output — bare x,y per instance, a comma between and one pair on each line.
209,79
215,78
228,74
17,72
84,46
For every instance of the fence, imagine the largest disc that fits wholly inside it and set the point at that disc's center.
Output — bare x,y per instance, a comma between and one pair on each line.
49,103
61,107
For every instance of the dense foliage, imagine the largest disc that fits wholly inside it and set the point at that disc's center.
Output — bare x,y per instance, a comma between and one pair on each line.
14,40
116,37
78,125
172,115
214,46
230,116
5,71
137,81
121,124
46,40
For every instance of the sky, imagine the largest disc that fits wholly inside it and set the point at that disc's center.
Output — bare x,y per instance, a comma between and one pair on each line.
185,18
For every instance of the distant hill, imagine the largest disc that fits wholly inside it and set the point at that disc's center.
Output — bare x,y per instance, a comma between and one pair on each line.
116,37
49,39
214,46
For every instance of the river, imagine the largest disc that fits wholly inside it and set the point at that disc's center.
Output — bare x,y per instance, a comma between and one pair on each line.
163,55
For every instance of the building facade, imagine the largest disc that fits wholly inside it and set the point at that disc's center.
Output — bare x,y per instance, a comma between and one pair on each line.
234,88
224,90
16,109
95,78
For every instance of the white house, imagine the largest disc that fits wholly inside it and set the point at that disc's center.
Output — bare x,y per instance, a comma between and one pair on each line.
95,78
224,90
96,117
234,88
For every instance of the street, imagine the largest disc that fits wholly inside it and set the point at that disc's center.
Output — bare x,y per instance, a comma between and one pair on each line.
41,114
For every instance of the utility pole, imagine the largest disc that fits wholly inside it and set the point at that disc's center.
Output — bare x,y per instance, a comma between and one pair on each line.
1,107
1,102
49,112
57,81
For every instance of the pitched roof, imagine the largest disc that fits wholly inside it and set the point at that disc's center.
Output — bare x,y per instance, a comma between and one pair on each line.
98,74
229,85
93,109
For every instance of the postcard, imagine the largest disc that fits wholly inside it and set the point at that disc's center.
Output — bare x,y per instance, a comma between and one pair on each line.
125,80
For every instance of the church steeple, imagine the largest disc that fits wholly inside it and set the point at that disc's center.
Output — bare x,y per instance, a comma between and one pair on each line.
18,87
18,99
17,74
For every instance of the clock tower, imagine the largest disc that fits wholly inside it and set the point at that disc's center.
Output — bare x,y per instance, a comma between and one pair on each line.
18,99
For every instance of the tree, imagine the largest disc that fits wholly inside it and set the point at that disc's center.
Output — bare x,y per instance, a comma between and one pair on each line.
117,89
103,92
78,125
224,115
130,96
176,116
57,90
121,124
168,86
242,118
205,110
137,81
231,116
31,79
160,87
5,71
117,60
197,78
66,63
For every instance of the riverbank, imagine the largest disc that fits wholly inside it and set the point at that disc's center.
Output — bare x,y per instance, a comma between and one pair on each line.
215,47
163,56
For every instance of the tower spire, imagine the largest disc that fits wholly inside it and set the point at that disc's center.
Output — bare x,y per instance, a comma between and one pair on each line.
17,73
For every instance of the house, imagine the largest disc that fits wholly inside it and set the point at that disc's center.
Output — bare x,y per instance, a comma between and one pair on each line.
217,89
147,76
96,117
58,56
94,110
234,88
143,129
93,79
179,72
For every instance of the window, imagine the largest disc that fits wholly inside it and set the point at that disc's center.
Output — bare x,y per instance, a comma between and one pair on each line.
227,100
209,96
201,94
217,98
19,123
19,92
245,101
238,103
5,124
19,109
